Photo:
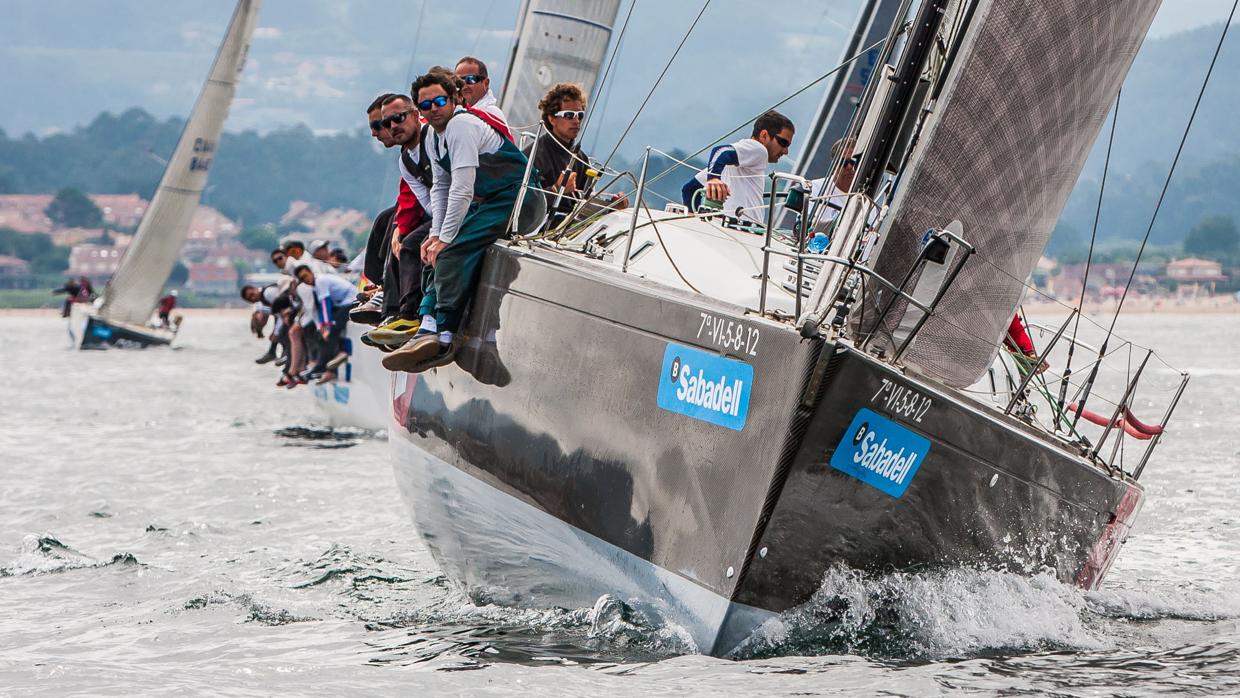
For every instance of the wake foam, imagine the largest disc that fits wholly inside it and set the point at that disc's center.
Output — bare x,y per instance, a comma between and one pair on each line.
965,613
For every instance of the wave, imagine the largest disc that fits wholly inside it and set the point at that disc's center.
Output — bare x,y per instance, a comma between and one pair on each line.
47,555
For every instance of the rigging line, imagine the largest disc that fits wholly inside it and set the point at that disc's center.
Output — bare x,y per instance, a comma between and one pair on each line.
1093,237
417,34
854,58
1162,196
473,50
657,81
607,70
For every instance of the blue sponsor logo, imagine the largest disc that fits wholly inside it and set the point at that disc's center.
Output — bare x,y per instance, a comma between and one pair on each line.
341,394
338,393
705,386
101,331
880,453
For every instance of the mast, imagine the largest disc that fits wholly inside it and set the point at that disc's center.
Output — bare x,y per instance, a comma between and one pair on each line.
844,95
558,41
134,289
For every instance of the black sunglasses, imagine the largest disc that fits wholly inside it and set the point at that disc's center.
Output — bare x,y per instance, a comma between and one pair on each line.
387,121
473,79
850,161
783,142
566,114
376,124
426,104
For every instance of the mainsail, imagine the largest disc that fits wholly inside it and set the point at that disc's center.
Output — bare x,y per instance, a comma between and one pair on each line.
1025,100
557,41
134,289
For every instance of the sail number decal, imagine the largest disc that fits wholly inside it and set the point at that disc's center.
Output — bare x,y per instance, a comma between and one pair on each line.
729,334
201,161
902,401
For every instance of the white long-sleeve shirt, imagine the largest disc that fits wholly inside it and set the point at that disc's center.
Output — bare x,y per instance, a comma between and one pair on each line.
463,140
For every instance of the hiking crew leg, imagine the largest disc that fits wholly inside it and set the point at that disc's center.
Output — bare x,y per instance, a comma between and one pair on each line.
377,245
456,270
411,272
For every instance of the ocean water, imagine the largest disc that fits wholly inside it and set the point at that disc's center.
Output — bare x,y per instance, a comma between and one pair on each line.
170,522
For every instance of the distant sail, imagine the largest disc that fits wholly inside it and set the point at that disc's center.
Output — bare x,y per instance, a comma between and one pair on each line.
557,41
1026,99
135,288
841,99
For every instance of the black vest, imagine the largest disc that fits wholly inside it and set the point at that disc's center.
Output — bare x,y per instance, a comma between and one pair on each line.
422,168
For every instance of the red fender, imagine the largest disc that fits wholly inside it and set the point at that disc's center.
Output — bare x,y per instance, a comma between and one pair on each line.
1131,426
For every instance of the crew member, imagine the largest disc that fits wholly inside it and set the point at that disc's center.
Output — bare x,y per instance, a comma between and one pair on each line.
378,242
166,305
333,296
322,251
477,178
402,278
734,174
563,168
476,92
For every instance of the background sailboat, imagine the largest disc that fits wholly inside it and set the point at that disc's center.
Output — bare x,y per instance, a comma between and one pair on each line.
134,290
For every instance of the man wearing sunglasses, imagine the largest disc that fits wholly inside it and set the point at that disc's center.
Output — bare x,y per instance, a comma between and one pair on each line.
564,172
736,174
476,92
834,189
379,240
402,278
477,178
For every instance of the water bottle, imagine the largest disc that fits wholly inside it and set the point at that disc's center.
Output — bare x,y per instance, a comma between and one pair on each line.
818,243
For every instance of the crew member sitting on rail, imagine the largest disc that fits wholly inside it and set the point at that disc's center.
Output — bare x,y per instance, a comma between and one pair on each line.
402,278
564,172
477,179
735,174
333,296
379,241
271,301
476,92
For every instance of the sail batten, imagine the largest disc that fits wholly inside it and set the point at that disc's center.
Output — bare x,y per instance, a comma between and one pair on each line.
557,41
134,290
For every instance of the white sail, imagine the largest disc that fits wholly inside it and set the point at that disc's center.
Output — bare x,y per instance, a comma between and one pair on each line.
134,289
557,41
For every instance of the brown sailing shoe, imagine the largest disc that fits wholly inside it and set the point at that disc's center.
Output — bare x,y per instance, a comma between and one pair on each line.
420,355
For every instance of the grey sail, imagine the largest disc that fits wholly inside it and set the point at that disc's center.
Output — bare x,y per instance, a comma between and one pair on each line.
844,94
1025,100
557,41
134,289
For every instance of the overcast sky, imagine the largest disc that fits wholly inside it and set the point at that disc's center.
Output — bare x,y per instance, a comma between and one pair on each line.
317,62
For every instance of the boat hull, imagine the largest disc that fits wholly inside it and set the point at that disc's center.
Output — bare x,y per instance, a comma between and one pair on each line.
94,332
554,463
359,395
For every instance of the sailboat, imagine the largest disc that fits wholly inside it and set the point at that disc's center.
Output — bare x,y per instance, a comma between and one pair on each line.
121,319
700,417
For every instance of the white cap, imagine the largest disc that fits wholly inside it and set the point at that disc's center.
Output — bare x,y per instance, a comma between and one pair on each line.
314,246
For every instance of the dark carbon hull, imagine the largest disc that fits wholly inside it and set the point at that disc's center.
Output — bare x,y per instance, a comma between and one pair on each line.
101,334
552,463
